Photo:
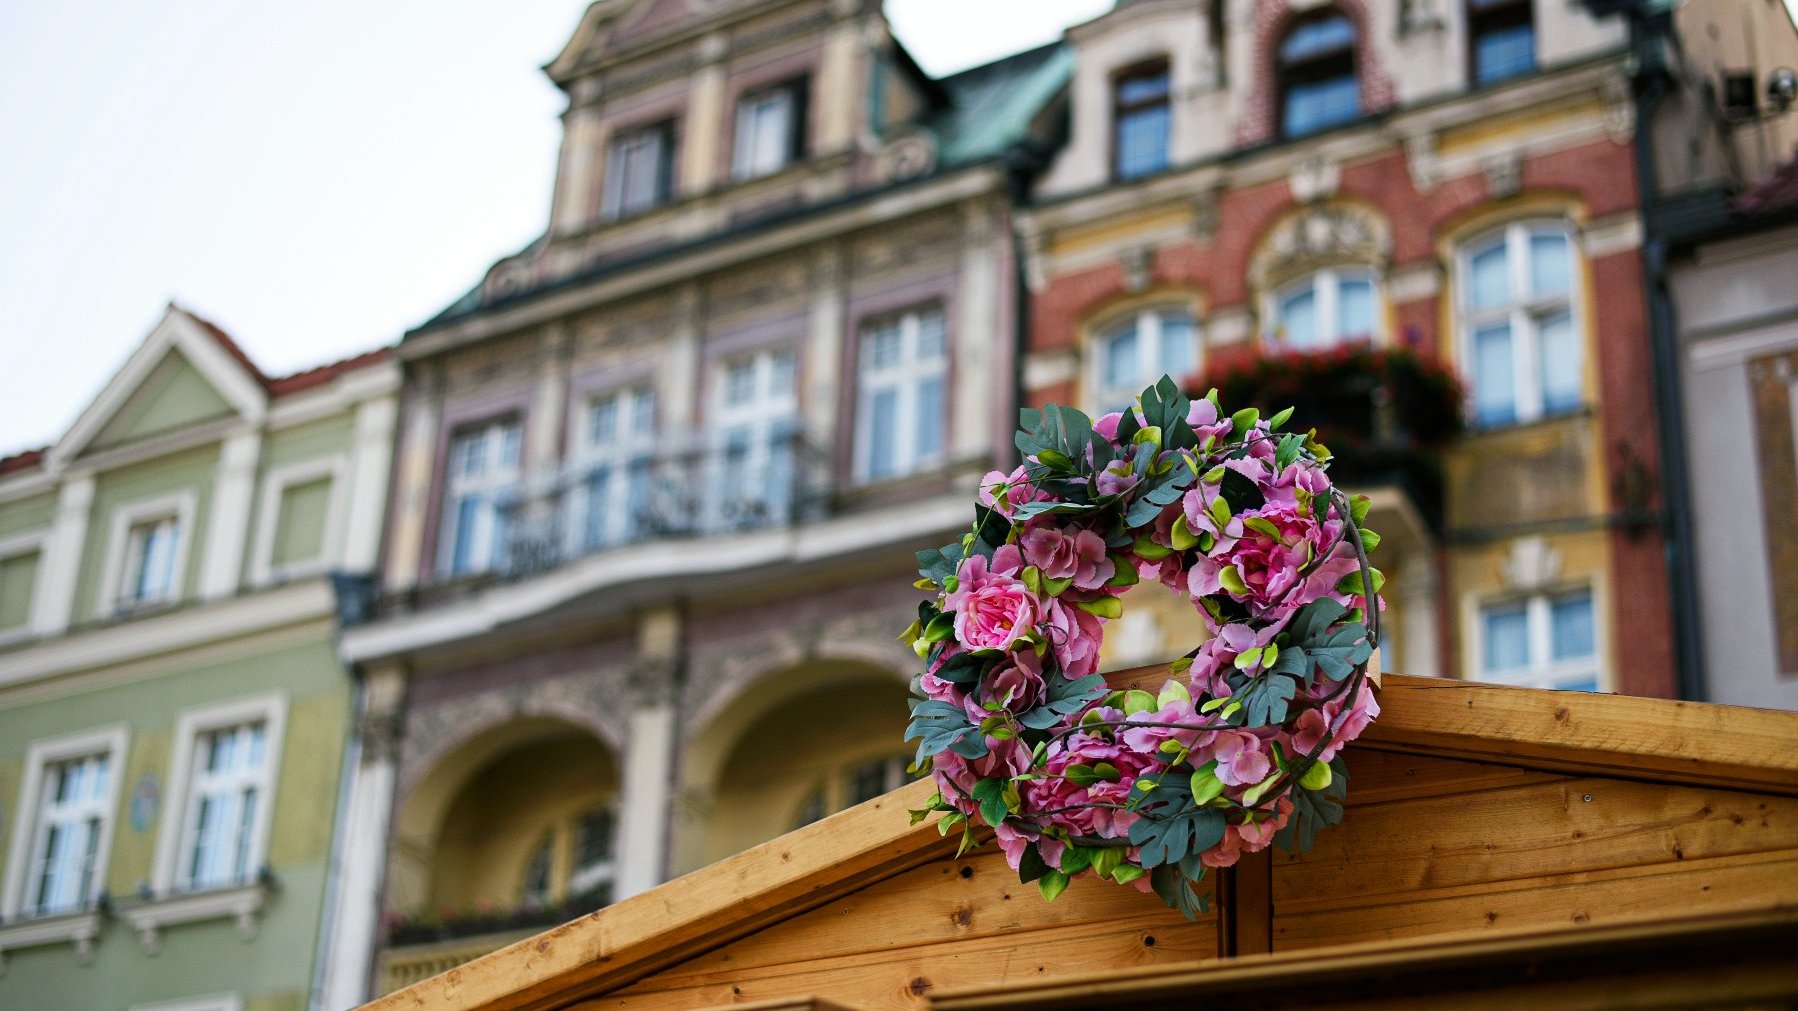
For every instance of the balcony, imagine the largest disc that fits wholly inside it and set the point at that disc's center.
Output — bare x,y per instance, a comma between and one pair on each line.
1387,414
683,488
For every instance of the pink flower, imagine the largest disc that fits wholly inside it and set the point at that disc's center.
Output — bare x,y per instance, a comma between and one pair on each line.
1146,731
1016,683
1055,791
1107,424
1241,760
956,776
1080,557
1073,635
995,615
976,572
1003,493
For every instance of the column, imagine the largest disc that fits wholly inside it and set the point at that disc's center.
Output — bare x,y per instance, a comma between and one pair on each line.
53,598
645,803
706,118
371,457
352,927
975,338
1418,652
822,364
412,485
228,525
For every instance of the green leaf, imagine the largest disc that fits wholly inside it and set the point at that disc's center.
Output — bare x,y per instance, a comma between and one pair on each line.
1313,810
1287,453
1244,420
1170,827
1052,884
1231,580
1358,506
1107,859
1173,690
1369,540
1206,787
941,627
1182,535
1220,512
1031,866
964,668
1279,419
1317,777
990,795
1056,587
1262,525
1125,572
1355,584
1265,699
1104,607
1145,547
943,726
1123,874
1178,893
1075,859
1138,701
1063,698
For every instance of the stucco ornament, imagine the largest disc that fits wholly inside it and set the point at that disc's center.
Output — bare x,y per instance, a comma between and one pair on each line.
1241,748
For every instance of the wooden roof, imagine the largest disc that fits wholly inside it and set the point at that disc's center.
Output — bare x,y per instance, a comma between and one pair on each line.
1478,815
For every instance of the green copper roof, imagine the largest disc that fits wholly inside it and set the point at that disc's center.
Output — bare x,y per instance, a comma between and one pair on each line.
992,105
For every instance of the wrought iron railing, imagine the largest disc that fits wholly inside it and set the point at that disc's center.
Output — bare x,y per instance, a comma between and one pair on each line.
680,488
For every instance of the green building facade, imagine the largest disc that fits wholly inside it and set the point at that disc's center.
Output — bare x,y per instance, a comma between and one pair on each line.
173,718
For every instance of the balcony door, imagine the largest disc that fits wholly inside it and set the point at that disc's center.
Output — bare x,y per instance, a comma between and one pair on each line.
753,460
616,484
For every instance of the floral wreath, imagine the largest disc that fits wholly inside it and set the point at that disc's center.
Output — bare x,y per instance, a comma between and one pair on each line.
1241,748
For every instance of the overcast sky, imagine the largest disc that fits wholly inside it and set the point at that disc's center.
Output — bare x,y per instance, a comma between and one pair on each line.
315,177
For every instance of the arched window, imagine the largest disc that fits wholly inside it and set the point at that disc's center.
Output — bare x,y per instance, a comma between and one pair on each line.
1517,323
1318,87
1324,309
1131,355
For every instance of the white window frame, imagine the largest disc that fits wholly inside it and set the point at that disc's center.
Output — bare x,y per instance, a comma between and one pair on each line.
111,741
613,184
166,878
1326,288
181,507
274,485
1543,671
743,157
37,542
904,376
1146,322
1523,314
627,445
770,416
496,479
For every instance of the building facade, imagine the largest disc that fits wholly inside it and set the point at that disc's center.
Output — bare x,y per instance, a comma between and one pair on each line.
173,714
1250,186
660,478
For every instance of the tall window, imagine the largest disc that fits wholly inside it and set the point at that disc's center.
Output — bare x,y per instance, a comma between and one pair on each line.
619,461
1325,309
150,553
639,171
63,871
860,782
483,479
770,130
903,403
1518,335
1132,355
18,581
1501,38
756,421
1543,641
228,788
594,864
1318,87
1141,121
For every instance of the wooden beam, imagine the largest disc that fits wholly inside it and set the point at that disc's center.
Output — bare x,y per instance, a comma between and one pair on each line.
1706,961
1616,735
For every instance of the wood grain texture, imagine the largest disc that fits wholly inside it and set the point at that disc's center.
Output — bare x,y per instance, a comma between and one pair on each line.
870,949
1507,858
1733,960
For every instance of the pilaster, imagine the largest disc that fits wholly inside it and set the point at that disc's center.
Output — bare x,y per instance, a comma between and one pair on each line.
53,598
646,802
370,461
228,521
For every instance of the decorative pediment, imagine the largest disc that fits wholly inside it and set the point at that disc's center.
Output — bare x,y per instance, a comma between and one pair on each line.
616,25
1320,235
186,372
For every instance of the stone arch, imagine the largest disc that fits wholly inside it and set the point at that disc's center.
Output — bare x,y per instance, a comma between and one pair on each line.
750,756
1261,118
469,817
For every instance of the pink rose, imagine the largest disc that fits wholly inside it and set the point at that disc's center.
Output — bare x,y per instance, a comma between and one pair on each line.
1073,635
995,615
1080,557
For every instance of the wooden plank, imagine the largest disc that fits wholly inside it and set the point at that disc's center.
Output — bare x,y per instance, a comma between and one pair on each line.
1724,959
1657,739
1635,738
1246,905
1378,777
702,910
976,896
1574,824
1618,895
904,978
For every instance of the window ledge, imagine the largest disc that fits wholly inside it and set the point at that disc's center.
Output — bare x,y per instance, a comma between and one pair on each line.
79,929
243,904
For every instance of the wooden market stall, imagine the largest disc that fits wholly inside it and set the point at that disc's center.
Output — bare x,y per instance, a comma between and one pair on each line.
1503,847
